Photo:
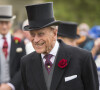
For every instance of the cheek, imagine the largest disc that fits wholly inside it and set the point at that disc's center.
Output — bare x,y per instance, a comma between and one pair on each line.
1,28
40,50
31,39
49,43
32,42
4,28
9,27
55,38
52,38
4,31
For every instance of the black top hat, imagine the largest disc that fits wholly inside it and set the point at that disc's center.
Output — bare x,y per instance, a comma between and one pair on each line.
68,29
40,16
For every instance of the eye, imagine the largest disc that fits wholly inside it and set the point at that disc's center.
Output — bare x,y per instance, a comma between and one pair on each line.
41,34
32,34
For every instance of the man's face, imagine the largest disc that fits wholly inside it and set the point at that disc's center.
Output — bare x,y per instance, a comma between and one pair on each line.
43,40
5,26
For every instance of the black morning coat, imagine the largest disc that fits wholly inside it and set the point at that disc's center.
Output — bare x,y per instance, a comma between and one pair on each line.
80,64
15,58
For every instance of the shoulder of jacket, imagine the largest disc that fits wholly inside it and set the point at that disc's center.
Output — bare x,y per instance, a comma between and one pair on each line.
77,51
28,57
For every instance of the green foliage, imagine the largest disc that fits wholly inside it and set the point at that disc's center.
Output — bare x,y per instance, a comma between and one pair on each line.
87,11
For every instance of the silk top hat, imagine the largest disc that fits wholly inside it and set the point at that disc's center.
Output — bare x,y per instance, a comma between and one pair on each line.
6,13
40,16
68,29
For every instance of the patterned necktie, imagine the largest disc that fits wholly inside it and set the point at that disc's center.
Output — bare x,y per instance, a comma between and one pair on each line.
48,63
5,47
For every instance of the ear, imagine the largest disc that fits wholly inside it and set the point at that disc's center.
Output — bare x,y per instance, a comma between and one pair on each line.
59,37
30,32
55,33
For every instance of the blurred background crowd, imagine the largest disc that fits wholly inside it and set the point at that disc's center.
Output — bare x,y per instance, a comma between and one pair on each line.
84,12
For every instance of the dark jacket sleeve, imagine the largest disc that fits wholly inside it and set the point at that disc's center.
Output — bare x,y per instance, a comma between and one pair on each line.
23,70
17,80
89,74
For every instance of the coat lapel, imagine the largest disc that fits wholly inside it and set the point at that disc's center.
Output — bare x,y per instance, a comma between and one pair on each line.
58,72
12,50
38,70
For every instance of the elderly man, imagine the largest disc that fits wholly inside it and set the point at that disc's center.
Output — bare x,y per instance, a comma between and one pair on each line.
67,32
12,51
54,65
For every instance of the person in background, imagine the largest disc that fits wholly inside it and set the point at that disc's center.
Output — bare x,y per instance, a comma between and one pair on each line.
12,51
96,48
84,41
18,32
89,39
67,32
27,39
94,32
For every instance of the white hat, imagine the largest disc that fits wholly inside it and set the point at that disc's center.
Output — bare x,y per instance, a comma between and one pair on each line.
6,13
25,23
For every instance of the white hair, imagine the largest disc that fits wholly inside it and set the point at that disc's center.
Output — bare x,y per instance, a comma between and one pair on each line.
83,26
54,27
26,23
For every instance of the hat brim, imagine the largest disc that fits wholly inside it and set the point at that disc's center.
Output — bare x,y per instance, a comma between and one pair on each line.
28,28
8,19
69,36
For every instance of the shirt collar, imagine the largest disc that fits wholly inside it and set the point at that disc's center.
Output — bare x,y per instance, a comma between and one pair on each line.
1,36
53,51
8,35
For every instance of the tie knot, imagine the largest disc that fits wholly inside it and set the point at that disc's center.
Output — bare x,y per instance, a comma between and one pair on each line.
4,38
48,56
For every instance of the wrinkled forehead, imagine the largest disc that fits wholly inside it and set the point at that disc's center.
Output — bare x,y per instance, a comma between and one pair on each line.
44,30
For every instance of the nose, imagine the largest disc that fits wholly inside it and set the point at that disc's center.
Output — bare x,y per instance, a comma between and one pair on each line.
4,26
36,39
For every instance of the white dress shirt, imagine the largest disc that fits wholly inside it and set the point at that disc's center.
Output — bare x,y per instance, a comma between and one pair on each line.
53,52
8,38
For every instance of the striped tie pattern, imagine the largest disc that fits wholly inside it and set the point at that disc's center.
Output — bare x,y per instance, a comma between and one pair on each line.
5,47
48,63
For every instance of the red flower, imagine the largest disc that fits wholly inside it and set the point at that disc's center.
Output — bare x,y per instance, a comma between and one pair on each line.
17,40
62,63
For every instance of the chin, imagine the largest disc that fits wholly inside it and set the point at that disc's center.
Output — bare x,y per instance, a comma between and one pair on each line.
4,33
39,51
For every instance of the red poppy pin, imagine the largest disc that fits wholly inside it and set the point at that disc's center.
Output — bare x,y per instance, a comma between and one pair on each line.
62,63
17,40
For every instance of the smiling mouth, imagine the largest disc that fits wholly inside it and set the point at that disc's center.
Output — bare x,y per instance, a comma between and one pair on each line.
38,45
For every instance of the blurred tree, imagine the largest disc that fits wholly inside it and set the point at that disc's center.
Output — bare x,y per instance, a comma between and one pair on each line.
87,11
19,8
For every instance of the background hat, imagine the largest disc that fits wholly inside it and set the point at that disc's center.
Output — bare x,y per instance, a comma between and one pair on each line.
68,29
94,32
40,16
6,13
